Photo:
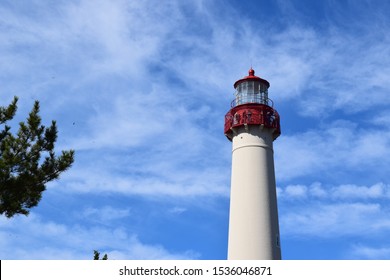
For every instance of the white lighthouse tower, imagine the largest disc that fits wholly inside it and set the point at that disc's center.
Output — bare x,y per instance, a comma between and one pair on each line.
252,124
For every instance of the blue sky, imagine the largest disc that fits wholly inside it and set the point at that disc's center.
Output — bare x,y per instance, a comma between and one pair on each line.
140,89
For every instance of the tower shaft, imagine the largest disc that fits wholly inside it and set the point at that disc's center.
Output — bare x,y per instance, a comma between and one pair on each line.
253,221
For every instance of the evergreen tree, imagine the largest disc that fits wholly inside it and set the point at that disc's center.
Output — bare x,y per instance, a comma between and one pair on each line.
96,256
27,160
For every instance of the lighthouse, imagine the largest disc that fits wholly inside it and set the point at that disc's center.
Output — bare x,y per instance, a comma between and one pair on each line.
252,124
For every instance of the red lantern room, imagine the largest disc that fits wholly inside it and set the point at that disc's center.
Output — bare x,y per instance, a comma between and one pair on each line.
251,106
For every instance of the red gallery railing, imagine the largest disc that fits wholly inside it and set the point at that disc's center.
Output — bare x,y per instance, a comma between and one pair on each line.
252,114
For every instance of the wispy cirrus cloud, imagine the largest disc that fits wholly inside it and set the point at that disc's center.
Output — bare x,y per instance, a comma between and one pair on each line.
105,214
334,220
44,237
355,147
361,251
345,192
334,211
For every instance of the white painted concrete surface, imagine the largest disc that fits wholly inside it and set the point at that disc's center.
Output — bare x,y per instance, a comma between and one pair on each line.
253,221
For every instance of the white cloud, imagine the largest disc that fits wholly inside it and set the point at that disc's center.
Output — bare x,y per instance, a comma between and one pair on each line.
353,191
334,220
279,192
334,211
50,240
381,119
177,210
204,184
296,191
105,214
369,252
339,145
316,190
343,192
138,250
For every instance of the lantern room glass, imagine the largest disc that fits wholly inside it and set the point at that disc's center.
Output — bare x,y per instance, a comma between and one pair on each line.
251,92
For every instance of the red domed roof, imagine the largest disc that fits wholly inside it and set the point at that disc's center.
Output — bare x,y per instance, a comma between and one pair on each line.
252,77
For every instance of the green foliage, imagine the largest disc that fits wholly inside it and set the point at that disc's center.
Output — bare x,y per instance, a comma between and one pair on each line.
27,160
96,256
